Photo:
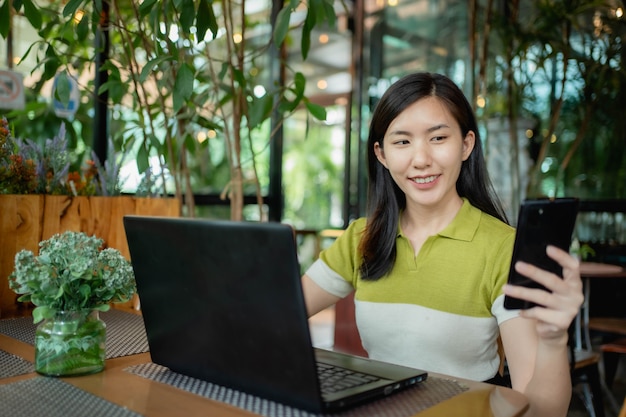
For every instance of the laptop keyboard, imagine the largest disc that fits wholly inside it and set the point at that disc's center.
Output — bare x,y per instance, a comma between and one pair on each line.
334,379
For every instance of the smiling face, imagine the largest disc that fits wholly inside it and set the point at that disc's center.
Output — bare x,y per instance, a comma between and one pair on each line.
423,149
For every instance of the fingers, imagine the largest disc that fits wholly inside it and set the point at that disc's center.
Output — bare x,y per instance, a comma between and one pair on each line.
571,275
563,298
567,261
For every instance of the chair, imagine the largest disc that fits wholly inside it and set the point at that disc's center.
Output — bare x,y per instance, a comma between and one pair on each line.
585,366
612,328
585,370
614,349
347,338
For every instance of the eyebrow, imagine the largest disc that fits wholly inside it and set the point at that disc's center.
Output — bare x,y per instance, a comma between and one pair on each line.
437,127
429,130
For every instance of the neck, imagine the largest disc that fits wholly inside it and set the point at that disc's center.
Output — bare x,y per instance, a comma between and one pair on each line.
429,220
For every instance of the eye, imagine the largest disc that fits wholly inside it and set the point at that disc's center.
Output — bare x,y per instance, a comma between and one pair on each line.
401,142
438,138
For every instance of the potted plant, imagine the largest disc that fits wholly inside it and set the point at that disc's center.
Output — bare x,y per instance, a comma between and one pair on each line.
70,282
41,195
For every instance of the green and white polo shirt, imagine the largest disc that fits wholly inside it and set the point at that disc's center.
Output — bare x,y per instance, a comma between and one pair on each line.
437,311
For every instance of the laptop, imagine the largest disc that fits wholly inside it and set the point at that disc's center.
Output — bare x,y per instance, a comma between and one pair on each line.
222,302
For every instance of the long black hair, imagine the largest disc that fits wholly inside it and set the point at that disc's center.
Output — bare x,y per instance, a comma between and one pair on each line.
385,200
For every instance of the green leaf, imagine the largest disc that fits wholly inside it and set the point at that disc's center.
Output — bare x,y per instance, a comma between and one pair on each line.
189,143
113,70
287,106
63,89
51,63
24,298
5,19
183,86
307,28
143,159
187,15
293,4
305,42
82,29
149,67
42,312
259,109
300,85
319,112
116,89
206,20
85,291
31,11
71,7
282,26
323,11
329,12
223,70
240,78
146,7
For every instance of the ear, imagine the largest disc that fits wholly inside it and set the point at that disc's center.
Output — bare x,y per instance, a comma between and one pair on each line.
468,144
380,154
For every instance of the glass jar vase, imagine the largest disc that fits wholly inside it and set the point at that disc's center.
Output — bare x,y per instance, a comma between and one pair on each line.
70,343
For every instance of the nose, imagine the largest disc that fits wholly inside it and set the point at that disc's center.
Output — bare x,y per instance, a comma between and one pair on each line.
421,157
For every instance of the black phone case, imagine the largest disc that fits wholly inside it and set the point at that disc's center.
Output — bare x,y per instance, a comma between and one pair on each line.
540,222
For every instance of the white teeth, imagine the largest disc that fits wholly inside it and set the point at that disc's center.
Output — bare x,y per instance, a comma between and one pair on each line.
425,180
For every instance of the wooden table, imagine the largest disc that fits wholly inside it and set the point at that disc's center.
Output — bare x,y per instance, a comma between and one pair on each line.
151,398
589,271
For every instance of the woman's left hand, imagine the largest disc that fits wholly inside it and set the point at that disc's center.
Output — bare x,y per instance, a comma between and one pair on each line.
556,309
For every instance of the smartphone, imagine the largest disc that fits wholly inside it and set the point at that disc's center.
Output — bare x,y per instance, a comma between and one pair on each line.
541,222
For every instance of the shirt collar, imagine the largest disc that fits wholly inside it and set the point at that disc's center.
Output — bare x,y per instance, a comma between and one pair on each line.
463,226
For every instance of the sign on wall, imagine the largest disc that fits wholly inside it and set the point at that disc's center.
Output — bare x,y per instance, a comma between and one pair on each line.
11,90
65,96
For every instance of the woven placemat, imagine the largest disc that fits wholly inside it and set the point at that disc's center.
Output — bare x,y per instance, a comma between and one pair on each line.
125,332
51,397
402,404
12,365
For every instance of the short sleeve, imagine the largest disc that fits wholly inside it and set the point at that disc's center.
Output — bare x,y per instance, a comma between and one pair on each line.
328,279
337,269
502,267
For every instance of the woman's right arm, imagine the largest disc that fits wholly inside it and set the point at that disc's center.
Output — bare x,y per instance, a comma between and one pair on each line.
316,298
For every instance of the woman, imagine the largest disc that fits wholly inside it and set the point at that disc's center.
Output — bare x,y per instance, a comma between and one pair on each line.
430,262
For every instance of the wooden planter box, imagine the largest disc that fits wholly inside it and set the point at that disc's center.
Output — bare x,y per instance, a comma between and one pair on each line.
25,220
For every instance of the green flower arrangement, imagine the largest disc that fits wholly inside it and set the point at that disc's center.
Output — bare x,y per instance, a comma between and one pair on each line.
72,273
